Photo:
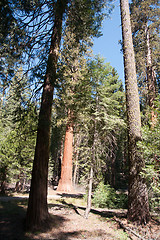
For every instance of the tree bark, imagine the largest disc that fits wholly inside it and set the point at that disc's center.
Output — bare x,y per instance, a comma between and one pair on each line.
138,206
65,182
3,187
89,201
76,165
151,79
75,171
113,170
3,179
37,212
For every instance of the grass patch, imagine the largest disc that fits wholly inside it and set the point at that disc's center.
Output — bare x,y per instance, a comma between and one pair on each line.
74,201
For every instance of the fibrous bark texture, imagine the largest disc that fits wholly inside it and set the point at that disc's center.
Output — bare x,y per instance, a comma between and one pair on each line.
37,212
65,182
138,207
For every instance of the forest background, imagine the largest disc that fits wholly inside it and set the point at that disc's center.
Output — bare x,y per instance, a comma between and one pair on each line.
88,96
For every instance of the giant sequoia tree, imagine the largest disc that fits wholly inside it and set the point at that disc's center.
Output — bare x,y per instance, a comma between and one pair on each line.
76,43
74,69
138,207
37,212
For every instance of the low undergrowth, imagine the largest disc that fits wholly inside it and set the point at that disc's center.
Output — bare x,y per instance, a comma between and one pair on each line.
106,197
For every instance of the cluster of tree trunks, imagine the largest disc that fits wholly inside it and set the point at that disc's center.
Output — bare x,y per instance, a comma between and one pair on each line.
138,207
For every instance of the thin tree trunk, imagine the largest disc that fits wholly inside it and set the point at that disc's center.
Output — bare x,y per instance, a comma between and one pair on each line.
75,172
37,212
3,187
3,179
88,208
113,170
151,79
138,206
3,93
89,197
76,167
65,183
17,187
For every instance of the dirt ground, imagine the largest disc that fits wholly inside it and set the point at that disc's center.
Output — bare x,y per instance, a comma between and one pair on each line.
69,222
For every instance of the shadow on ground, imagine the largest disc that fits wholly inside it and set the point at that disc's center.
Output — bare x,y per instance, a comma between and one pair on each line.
66,235
108,213
71,195
12,220
13,211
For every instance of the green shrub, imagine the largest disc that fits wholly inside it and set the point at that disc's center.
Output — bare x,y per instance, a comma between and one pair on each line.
121,200
105,196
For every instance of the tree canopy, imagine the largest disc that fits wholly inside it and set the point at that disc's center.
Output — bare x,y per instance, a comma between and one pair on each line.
52,85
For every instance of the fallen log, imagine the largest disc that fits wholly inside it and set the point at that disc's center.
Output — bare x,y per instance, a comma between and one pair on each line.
128,229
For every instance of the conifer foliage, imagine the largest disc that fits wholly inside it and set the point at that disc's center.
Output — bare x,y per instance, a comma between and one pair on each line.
18,131
145,28
100,123
45,49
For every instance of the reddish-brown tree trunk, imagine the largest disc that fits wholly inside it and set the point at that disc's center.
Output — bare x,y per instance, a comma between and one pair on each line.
37,212
65,182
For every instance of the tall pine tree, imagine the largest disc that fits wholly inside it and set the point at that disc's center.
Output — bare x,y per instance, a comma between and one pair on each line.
138,205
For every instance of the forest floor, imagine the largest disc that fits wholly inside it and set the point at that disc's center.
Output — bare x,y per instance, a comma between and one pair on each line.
67,211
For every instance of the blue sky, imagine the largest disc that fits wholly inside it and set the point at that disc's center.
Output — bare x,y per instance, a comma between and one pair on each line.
107,45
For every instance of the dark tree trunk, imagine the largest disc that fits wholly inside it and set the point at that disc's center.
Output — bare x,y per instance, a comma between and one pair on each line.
138,206
76,165
113,171
3,179
37,212
56,153
65,182
3,187
3,94
89,197
151,79
59,168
